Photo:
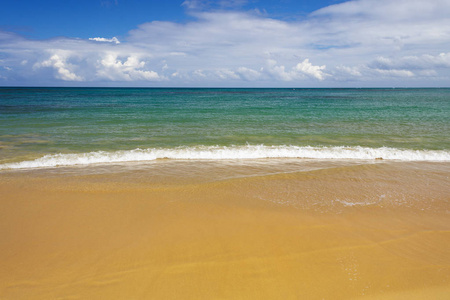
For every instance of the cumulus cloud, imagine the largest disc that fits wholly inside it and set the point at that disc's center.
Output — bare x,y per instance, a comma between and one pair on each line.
129,69
227,74
297,72
307,68
64,70
380,42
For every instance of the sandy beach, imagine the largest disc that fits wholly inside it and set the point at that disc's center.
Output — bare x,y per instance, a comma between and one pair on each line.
140,234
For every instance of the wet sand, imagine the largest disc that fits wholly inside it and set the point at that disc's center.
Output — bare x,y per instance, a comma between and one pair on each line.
378,231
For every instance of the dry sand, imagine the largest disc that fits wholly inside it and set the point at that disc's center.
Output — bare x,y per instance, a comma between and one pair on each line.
343,233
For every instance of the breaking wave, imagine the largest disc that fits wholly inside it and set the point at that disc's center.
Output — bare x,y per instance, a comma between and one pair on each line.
230,152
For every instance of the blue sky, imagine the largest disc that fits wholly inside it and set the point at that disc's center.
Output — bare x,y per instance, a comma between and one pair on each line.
85,18
225,43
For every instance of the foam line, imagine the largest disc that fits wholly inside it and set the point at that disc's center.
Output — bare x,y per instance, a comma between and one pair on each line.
231,152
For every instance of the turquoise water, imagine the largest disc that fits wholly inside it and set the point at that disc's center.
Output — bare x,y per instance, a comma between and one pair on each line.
125,124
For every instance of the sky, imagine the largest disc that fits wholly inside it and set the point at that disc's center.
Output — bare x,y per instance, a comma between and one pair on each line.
225,43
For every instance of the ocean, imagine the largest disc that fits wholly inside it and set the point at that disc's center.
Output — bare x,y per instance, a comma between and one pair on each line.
51,127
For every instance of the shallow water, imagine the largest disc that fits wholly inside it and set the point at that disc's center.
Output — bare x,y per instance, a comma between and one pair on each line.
124,124
307,184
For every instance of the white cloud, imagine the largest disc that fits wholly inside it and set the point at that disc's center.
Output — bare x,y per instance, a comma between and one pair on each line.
307,68
423,62
349,71
396,11
226,74
395,73
129,69
199,74
63,68
297,72
100,39
386,23
248,74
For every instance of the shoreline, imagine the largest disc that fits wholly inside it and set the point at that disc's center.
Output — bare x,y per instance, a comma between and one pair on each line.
200,230
222,153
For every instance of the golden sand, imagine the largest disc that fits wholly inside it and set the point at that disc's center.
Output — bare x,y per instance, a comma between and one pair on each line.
344,233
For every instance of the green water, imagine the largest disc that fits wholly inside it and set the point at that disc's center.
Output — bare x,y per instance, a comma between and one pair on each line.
39,121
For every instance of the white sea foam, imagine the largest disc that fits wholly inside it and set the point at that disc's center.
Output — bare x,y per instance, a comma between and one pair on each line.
231,152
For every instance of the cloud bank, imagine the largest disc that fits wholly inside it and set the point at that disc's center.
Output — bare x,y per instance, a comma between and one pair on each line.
355,43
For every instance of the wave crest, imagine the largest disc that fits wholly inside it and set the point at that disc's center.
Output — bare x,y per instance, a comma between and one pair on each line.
230,152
